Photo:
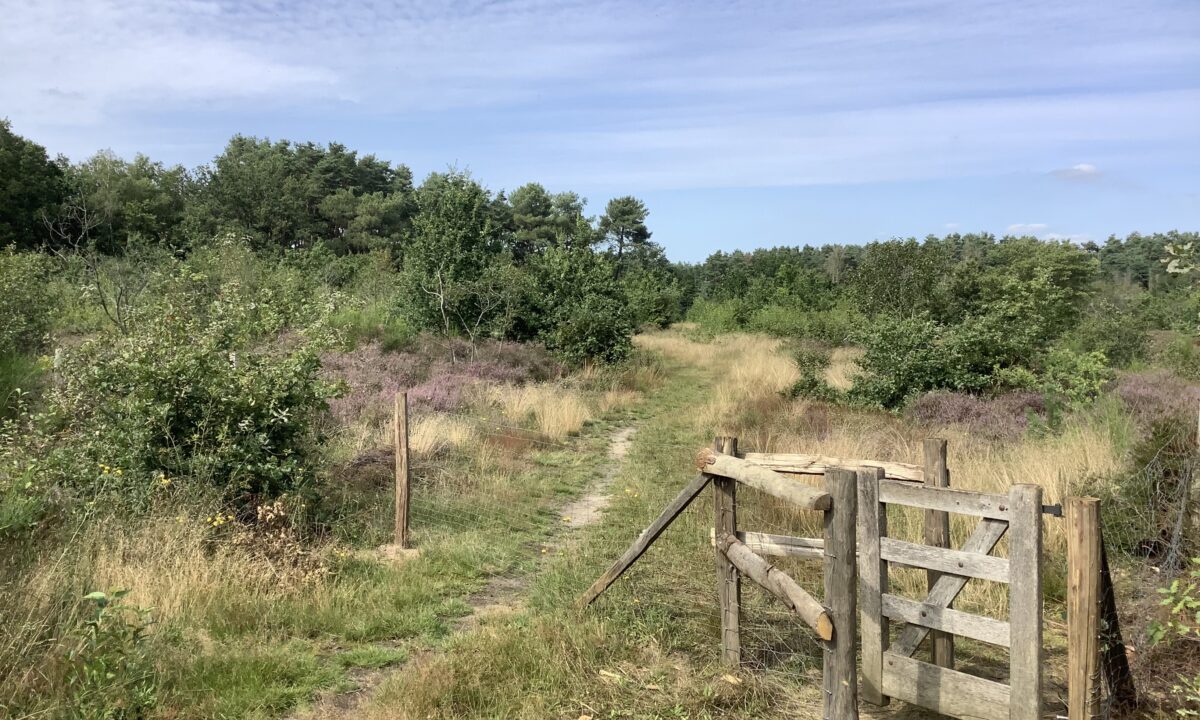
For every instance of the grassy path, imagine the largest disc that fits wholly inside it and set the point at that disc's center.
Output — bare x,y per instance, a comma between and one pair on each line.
645,650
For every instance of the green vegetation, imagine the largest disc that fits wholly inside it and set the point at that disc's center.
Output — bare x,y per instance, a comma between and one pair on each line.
197,370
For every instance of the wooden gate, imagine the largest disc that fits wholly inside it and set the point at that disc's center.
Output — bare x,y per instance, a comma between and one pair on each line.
889,668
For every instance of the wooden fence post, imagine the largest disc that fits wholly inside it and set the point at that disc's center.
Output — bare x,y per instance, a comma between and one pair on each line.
1083,608
840,671
729,583
873,581
1025,601
400,428
937,534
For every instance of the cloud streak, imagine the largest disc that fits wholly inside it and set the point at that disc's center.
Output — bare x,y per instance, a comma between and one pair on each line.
642,94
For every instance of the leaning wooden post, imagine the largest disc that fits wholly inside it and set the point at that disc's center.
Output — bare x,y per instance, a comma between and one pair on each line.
400,428
1083,608
1025,601
840,671
729,583
937,534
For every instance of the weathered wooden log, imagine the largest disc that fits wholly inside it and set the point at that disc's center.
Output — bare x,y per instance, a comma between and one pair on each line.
818,464
760,478
643,542
777,582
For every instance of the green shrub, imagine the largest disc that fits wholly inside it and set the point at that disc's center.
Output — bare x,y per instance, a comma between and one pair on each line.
1078,378
25,305
902,358
1112,329
719,316
812,361
205,390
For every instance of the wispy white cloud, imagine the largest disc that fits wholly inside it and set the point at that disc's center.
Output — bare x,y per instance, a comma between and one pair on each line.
1078,172
623,92
1026,228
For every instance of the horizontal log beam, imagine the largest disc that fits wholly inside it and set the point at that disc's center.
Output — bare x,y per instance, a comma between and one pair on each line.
777,582
760,478
818,464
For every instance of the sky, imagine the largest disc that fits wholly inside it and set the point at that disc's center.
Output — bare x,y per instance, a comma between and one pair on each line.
741,124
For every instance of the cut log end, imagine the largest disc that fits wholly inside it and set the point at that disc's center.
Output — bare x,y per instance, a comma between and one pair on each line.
825,626
705,458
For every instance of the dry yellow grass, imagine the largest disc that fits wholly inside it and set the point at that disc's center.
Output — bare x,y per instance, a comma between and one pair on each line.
170,565
842,367
747,404
434,433
557,411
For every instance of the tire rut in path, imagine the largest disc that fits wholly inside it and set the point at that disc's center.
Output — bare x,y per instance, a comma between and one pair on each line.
503,594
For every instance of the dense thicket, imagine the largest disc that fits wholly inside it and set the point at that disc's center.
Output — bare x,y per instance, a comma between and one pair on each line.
971,313
466,261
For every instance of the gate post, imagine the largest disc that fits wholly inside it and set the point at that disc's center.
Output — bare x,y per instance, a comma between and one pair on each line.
729,582
873,581
1025,601
937,534
840,673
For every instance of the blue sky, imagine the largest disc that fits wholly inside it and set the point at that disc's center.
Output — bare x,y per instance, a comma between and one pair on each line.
740,124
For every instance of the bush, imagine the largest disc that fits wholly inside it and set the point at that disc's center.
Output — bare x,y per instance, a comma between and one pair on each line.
209,391
109,672
1077,378
902,358
812,361
25,305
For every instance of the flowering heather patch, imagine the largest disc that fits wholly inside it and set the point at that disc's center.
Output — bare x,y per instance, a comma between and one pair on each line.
1156,395
437,373
1002,417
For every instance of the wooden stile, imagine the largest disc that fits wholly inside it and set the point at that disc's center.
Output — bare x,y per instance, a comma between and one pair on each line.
937,534
840,670
729,583
403,474
1025,602
1083,608
760,478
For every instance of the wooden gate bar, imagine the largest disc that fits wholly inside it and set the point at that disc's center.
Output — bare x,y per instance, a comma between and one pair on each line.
947,587
643,541
760,478
943,690
962,502
1025,602
818,464
976,627
954,562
